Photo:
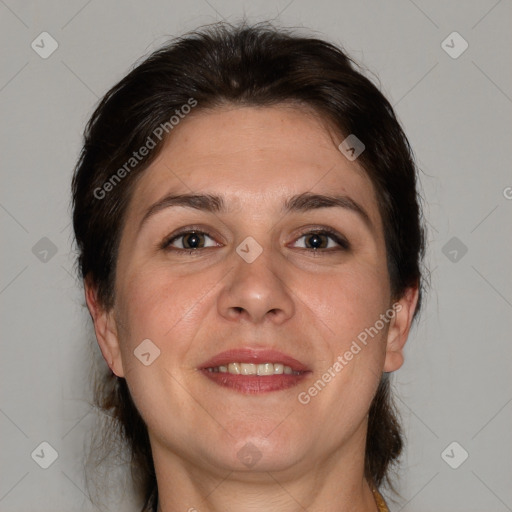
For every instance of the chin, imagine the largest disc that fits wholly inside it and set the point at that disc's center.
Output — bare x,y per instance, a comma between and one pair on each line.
253,453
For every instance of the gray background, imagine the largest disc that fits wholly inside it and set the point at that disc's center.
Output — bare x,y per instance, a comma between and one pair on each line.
456,382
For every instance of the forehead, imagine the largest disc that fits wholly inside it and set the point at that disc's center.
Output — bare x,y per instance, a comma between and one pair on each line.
253,156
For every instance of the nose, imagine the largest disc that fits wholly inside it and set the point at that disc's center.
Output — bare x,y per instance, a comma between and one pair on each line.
257,291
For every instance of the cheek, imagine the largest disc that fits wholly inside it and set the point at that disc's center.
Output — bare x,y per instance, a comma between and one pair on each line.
158,305
350,300
353,350
350,304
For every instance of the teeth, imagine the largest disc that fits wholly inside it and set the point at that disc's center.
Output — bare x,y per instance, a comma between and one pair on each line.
234,368
248,369
266,369
278,368
254,369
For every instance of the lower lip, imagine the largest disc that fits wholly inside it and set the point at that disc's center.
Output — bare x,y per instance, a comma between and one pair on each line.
254,384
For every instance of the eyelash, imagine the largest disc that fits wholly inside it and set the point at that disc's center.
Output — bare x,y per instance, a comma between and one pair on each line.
334,235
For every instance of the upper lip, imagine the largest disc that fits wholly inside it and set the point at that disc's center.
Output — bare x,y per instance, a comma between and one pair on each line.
255,356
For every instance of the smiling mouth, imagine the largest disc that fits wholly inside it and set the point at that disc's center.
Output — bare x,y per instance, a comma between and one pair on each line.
250,378
254,369
251,370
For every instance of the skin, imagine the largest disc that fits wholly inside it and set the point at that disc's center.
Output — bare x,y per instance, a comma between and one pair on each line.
311,306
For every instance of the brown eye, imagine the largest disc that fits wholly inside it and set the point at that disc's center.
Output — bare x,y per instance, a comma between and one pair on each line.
317,241
322,239
193,240
188,241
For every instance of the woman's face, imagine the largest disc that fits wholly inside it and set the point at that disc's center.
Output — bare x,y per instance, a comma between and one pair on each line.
251,280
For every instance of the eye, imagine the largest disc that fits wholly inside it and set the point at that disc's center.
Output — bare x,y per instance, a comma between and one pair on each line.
320,240
189,241
192,240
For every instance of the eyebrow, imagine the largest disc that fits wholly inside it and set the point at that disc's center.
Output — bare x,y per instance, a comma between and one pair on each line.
299,203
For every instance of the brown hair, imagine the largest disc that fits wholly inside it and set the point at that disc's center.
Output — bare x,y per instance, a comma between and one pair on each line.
256,65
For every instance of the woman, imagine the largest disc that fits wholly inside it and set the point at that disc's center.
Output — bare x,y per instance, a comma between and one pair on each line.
250,240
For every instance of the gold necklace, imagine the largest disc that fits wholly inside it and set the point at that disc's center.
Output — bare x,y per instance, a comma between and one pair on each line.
379,500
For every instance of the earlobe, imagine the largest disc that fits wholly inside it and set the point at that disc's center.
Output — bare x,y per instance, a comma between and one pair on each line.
400,326
105,329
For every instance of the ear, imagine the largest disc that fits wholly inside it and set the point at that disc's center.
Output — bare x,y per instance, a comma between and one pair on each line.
399,328
105,328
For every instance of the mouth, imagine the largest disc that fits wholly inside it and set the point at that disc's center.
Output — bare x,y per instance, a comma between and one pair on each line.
254,371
